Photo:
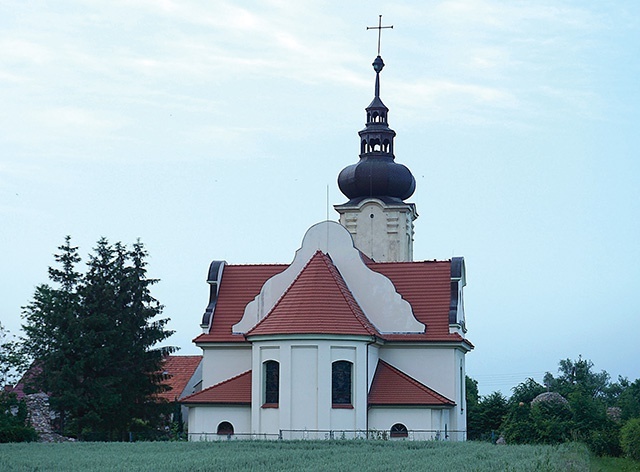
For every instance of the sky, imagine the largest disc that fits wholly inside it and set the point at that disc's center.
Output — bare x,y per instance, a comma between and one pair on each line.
215,130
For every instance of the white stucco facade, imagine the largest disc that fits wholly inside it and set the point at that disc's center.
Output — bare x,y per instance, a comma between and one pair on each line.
382,231
305,385
423,424
304,406
205,420
221,362
440,367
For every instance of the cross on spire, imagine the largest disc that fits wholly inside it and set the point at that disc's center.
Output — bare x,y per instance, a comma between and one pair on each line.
379,28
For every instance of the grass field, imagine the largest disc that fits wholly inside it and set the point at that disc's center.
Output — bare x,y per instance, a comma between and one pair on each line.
355,455
614,464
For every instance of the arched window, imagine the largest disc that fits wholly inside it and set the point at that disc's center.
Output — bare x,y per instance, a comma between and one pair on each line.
399,430
341,373
271,383
225,428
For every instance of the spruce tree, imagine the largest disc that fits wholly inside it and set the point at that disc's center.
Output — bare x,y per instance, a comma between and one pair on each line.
94,339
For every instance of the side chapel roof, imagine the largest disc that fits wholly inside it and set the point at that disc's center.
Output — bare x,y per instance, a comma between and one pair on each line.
391,386
236,391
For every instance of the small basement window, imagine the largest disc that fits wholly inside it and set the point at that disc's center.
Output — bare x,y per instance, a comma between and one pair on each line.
225,429
399,430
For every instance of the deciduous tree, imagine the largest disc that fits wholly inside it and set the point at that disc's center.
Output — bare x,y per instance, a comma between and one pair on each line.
12,363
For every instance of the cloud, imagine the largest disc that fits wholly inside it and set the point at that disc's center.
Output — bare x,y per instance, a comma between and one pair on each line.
16,51
77,121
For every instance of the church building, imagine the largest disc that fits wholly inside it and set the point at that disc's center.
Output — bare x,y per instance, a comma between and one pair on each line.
353,338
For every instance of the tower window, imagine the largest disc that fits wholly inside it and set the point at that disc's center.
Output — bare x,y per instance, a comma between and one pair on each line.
271,383
341,385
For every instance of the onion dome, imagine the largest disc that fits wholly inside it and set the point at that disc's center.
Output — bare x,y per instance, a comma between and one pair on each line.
377,174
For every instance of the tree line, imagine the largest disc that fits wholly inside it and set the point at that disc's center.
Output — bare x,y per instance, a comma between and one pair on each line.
577,404
91,339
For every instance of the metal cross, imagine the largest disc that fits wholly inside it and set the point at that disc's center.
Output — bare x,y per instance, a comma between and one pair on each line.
379,28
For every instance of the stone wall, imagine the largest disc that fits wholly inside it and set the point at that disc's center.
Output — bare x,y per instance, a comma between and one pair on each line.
40,417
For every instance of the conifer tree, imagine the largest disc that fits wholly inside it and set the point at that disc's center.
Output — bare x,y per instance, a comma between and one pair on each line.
94,339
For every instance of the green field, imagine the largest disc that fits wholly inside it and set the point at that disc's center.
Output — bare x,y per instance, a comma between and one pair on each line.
292,456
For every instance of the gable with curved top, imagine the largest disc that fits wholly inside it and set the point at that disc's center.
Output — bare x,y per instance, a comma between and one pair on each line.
374,293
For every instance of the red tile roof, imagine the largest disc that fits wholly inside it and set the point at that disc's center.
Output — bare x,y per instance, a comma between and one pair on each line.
240,284
236,390
426,285
22,385
393,387
317,302
177,371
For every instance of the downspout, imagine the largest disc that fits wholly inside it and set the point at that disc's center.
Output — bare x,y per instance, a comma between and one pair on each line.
367,366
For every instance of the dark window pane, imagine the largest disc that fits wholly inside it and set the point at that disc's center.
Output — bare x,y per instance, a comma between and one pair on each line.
225,428
271,382
341,382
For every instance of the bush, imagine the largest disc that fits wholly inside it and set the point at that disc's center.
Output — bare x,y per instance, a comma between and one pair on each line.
518,427
551,417
605,441
630,439
13,420
17,433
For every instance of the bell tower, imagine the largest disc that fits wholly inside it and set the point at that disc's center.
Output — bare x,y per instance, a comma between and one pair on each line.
377,217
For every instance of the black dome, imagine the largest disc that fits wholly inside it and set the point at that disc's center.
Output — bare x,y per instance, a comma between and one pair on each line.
376,175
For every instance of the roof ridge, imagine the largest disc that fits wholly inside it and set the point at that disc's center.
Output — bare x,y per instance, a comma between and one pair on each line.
283,294
426,261
259,264
356,309
230,379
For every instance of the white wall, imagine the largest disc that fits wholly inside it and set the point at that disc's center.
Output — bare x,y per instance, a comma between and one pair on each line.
306,364
438,368
459,414
222,363
383,232
435,367
204,421
423,424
